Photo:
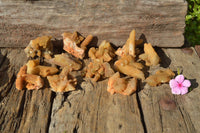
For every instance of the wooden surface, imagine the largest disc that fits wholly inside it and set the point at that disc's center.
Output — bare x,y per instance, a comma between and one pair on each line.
184,118
160,22
92,109
21,111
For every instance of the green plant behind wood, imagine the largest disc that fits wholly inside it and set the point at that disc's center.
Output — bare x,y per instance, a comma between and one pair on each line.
192,30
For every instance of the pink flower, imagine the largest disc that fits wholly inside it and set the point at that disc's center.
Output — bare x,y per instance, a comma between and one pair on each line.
179,85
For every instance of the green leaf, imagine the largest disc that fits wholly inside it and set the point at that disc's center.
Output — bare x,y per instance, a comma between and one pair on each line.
190,89
192,21
188,17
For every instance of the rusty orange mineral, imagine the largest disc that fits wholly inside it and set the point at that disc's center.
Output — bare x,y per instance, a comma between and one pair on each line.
73,45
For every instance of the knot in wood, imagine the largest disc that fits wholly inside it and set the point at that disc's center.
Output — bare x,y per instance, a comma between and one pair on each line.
167,103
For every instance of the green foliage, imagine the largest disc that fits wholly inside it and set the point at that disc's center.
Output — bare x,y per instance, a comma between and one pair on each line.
192,30
190,89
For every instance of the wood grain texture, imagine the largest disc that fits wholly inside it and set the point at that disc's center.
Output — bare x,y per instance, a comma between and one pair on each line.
159,22
93,109
21,111
165,117
197,48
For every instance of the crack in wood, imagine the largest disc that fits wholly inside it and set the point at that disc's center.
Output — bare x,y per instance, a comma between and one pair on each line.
21,110
61,104
15,117
8,79
160,115
99,100
75,130
8,87
3,58
53,95
141,111
186,118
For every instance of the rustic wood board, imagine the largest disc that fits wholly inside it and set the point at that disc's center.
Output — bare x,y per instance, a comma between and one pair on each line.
162,117
159,22
92,109
89,109
21,111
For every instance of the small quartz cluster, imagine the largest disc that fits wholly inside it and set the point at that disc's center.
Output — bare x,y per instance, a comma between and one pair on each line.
75,44
29,81
99,67
121,85
40,47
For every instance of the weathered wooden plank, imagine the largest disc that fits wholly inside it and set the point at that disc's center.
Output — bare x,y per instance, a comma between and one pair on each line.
93,109
197,48
160,22
21,111
189,105
164,112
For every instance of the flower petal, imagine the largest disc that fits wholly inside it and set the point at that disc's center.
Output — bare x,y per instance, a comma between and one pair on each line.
184,90
179,79
186,83
176,91
173,83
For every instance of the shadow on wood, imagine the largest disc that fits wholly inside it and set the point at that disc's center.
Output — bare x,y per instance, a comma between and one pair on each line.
194,84
165,60
7,76
4,65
